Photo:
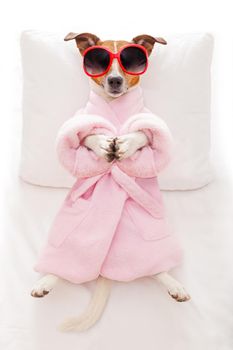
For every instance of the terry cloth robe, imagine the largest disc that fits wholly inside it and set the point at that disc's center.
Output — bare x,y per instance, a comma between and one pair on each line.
112,221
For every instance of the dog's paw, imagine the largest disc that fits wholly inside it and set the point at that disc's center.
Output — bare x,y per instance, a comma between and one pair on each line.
108,150
43,286
178,293
102,146
126,145
39,293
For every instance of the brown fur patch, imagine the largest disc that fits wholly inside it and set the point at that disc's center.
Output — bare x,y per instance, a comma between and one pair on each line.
148,41
83,40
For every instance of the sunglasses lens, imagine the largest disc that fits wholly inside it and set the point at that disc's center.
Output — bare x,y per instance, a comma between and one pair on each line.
133,59
96,61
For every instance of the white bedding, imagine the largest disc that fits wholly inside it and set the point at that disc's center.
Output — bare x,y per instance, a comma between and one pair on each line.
139,315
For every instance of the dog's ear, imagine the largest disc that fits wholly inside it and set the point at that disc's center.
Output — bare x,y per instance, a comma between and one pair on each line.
148,41
83,41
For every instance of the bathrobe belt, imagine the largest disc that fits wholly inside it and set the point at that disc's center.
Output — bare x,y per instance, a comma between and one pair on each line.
129,184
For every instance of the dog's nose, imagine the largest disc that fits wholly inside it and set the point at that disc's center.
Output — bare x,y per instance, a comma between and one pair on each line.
115,82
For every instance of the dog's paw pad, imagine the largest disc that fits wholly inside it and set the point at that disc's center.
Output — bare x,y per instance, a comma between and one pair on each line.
179,294
39,293
43,286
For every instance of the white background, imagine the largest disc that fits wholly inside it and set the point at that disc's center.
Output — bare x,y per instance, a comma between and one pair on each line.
115,20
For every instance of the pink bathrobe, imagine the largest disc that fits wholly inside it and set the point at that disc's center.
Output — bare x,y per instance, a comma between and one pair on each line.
112,221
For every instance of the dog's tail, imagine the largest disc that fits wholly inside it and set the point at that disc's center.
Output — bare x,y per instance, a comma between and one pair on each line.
94,310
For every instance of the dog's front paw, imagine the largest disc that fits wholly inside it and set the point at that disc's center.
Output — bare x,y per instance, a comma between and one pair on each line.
103,146
107,149
127,145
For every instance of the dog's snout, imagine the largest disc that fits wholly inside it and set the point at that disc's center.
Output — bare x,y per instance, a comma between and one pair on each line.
115,82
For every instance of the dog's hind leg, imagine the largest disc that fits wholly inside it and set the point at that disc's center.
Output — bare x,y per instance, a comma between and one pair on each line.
174,288
44,285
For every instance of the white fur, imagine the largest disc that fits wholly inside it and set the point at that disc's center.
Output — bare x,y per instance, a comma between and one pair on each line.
44,285
128,144
174,288
94,310
115,72
100,144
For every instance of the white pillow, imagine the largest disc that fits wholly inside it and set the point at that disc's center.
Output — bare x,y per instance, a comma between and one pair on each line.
176,87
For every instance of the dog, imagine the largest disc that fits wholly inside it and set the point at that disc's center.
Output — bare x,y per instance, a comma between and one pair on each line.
110,86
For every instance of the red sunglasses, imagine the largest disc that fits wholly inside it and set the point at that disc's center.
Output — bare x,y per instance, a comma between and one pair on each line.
132,58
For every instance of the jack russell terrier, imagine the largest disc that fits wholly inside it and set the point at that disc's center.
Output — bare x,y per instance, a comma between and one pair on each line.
111,225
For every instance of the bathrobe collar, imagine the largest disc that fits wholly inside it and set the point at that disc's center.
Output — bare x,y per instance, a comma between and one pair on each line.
119,109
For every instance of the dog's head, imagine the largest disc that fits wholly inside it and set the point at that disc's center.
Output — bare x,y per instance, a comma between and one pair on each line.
116,81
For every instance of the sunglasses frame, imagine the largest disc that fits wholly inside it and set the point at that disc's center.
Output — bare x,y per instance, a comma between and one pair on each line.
112,56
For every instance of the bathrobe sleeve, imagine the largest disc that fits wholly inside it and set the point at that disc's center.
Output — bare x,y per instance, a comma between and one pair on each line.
75,157
153,158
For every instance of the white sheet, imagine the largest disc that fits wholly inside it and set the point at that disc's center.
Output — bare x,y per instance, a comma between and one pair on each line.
139,315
